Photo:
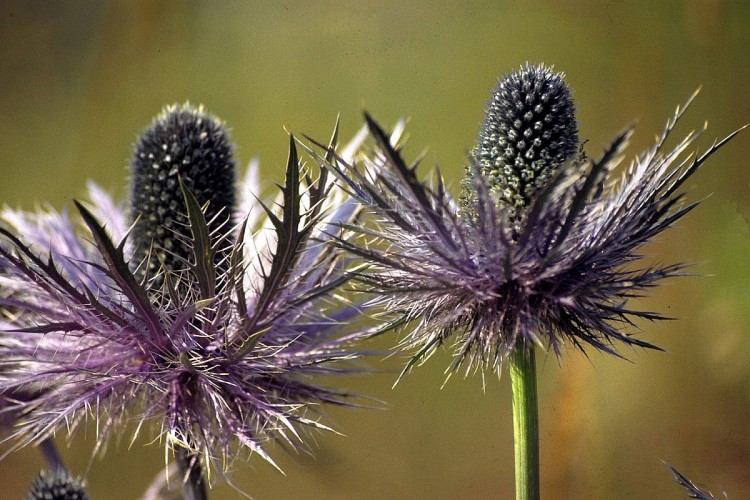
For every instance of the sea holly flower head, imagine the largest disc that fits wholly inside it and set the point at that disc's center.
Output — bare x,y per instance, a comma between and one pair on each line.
543,249
209,320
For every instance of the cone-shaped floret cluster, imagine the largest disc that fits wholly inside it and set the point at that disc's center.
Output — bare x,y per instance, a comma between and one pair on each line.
529,131
183,146
58,485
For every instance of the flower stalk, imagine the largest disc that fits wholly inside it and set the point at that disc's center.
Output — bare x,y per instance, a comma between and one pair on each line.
522,366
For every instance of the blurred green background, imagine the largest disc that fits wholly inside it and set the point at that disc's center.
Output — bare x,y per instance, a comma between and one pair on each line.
78,80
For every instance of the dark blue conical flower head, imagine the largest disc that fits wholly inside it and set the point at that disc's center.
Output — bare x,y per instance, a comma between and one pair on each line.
529,130
182,145
56,486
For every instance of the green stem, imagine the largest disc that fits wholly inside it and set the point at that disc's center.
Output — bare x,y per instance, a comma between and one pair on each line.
525,421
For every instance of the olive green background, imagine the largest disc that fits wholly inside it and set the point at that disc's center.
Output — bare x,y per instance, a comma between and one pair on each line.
78,80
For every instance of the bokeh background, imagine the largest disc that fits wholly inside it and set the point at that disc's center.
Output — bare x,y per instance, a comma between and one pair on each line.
78,80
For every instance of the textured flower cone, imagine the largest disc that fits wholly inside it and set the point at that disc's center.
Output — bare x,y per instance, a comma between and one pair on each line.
529,131
57,485
183,146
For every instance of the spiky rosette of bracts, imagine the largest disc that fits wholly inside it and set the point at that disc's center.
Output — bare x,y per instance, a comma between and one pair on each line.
220,356
474,278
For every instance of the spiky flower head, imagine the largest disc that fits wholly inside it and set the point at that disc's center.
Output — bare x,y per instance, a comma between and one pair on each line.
218,354
529,130
489,281
183,146
58,485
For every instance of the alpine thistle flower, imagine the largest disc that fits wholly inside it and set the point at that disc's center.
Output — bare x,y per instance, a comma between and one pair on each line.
208,321
542,249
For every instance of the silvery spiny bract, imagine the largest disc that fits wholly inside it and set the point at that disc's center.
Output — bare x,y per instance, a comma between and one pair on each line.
543,248
210,320
692,490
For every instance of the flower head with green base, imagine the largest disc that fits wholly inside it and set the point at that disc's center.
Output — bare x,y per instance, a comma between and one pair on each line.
209,320
542,248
